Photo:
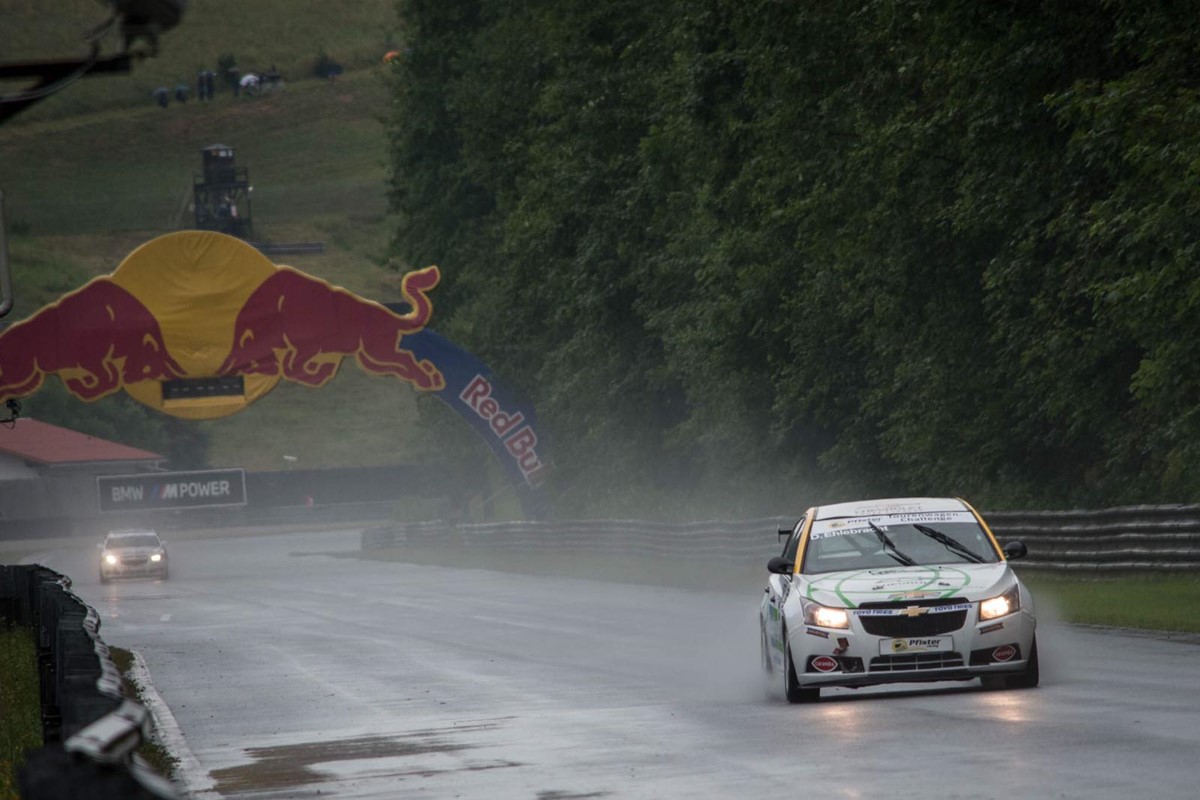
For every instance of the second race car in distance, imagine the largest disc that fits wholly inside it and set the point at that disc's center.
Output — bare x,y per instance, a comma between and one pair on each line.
133,553
896,590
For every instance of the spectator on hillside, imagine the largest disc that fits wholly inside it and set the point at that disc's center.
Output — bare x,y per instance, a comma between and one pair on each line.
204,84
162,96
326,67
181,92
249,83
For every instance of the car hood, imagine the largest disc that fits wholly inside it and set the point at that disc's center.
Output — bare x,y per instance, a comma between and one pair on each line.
852,588
135,551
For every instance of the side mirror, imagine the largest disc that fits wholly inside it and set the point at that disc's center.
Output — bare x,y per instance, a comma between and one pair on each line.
780,566
1016,550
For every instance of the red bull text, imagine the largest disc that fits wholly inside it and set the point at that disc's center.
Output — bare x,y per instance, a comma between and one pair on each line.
518,437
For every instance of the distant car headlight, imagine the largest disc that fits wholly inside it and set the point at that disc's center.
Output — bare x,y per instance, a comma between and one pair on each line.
824,616
156,557
1001,605
109,558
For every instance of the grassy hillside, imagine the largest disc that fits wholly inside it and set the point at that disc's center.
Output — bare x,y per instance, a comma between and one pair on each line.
289,34
314,149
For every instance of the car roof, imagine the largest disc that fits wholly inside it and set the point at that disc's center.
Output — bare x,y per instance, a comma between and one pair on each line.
132,532
893,505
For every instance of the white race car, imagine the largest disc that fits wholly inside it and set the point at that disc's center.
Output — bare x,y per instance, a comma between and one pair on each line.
900,590
132,553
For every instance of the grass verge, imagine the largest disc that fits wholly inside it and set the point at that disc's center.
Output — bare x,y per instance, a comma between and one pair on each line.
20,711
155,755
1148,601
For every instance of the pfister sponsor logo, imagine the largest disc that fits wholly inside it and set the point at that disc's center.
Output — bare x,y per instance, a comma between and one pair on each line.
510,428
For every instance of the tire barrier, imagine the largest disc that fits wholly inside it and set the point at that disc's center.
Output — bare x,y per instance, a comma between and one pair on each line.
1123,539
90,731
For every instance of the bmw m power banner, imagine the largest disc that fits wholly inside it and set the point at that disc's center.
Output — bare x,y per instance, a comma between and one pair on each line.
171,490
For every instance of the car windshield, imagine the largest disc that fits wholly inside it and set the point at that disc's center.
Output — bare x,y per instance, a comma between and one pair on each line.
888,540
133,540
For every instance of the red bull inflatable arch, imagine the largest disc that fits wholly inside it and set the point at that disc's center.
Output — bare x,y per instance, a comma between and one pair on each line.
199,325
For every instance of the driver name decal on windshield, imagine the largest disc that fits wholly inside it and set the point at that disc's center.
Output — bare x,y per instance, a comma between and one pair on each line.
825,528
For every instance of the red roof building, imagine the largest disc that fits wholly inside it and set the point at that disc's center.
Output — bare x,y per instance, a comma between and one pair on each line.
31,448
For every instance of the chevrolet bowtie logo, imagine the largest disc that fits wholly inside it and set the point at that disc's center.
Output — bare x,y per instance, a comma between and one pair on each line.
914,611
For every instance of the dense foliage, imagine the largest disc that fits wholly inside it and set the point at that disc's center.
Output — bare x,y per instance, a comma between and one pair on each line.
804,250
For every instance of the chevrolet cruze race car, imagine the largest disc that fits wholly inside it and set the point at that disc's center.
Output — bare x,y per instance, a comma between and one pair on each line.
901,590
132,553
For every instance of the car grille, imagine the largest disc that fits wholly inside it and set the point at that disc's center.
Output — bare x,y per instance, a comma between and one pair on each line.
916,661
927,624
904,627
134,561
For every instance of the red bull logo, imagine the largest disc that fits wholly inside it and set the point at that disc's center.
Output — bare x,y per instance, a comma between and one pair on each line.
96,339
300,328
202,305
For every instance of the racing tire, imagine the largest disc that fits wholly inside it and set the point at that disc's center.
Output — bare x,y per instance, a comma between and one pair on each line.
770,684
791,684
1026,679
103,578
1030,677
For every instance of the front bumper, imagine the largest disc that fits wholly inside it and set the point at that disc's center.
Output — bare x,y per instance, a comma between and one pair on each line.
855,657
133,569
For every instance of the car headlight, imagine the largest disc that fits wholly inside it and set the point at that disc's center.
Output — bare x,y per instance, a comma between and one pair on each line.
156,557
1001,605
109,558
824,616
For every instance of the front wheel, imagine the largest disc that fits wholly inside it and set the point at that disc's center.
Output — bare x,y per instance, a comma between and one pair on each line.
1026,679
1030,677
791,684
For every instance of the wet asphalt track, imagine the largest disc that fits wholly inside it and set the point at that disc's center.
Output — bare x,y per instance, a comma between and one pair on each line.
293,673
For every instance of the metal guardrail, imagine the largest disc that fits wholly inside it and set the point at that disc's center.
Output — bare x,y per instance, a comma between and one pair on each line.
1124,539
1121,539
89,729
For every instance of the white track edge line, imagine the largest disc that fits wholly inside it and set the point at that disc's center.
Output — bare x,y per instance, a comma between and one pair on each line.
190,775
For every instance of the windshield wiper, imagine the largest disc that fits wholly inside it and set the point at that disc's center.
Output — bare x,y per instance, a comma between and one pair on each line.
894,553
954,545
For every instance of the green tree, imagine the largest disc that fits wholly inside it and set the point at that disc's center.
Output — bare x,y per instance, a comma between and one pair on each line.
762,249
